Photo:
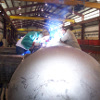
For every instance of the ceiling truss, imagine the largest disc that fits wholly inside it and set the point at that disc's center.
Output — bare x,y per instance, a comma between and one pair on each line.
36,13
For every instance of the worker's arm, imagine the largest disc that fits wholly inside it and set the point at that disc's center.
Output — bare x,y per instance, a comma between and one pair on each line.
61,41
64,38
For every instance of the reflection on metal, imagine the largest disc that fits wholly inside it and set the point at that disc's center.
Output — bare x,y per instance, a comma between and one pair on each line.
22,29
39,18
69,2
56,73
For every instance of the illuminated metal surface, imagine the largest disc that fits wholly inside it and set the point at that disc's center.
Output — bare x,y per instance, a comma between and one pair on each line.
56,73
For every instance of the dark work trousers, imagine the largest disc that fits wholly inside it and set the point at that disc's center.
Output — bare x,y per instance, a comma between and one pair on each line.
20,50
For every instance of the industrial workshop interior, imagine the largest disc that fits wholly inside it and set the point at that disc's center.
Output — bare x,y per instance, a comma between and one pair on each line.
53,70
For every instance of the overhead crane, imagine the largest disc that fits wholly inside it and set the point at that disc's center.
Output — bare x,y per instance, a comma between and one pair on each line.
39,18
22,29
66,2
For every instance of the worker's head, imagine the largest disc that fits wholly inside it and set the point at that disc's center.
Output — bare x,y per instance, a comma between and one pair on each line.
70,27
40,35
45,32
64,28
1,36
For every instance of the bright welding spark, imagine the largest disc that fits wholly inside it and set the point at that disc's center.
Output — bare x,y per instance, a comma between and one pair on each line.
53,39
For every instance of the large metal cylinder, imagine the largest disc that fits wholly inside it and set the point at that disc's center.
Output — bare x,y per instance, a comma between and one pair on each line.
56,73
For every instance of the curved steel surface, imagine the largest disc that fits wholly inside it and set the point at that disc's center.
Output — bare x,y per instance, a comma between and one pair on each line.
56,73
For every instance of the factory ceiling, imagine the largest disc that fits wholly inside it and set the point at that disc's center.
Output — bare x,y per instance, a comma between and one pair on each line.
40,14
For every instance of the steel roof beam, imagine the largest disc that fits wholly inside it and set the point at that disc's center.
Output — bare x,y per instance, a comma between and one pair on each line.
14,8
31,5
68,2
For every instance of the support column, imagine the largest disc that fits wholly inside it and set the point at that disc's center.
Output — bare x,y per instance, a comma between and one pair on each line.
11,32
82,32
99,30
4,34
